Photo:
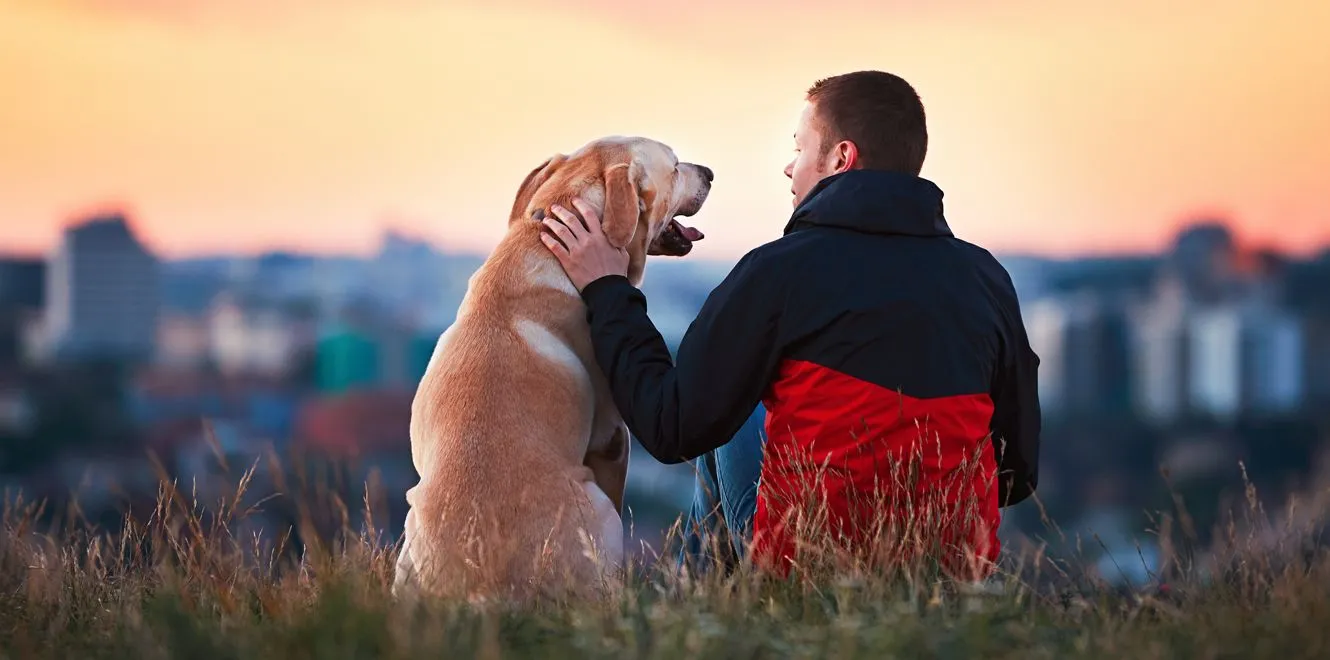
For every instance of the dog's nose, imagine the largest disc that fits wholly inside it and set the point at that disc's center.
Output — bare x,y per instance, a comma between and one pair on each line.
707,173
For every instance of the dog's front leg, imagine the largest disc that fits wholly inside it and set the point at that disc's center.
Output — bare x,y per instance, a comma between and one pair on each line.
609,464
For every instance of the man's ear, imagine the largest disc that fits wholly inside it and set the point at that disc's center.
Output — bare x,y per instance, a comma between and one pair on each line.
531,184
846,156
622,208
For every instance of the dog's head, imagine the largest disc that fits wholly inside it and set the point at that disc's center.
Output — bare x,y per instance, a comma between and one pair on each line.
637,184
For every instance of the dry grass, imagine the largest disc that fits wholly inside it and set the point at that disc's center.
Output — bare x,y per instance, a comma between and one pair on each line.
179,582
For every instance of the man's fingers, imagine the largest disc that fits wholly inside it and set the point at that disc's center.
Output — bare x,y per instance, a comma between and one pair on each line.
589,214
570,220
561,230
555,245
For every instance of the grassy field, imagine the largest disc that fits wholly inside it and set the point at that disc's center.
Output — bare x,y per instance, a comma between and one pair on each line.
177,584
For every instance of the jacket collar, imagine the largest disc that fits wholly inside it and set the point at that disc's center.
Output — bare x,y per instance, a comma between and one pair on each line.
875,202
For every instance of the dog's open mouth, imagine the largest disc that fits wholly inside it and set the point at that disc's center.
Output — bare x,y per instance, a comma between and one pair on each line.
676,241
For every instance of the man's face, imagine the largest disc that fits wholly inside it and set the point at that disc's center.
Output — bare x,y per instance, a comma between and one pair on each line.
810,163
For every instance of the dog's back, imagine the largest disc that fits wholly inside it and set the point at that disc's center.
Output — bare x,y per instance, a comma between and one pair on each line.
495,423
521,453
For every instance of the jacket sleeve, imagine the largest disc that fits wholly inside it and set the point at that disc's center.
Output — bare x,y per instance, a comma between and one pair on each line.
725,360
1016,416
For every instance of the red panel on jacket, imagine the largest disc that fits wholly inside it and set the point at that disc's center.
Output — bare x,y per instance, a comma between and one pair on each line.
857,434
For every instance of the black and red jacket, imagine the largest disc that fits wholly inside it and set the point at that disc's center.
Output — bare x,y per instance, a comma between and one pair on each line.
871,334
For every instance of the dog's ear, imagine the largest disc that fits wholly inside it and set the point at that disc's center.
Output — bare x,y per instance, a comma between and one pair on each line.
622,206
532,183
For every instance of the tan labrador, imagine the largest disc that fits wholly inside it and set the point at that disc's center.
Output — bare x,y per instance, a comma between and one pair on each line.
521,452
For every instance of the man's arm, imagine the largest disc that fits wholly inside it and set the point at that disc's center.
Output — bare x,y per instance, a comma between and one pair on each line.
1016,416
728,355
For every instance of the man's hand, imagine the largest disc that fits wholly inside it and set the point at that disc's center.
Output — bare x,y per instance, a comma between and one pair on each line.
584,251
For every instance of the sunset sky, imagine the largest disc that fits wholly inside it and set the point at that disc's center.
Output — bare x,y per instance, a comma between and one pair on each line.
1058,126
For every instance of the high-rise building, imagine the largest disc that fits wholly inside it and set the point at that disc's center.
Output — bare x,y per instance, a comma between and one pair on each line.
1274,358
1160,354
1215,362
1082,344
1046,322
1246,359
102,292
21,293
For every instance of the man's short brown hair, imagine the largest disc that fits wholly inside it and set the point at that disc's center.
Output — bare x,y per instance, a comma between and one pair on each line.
879,112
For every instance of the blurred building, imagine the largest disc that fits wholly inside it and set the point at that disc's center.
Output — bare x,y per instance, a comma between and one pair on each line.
1274,359
1030,276
102,293
1246,359
255,409
1198,270
22,288
368,423
1305,292
1082,343
408,275
1160,366
182,340
278,274
346,359
1316,368
22,282
1215,361
1204,259
253,336
369,348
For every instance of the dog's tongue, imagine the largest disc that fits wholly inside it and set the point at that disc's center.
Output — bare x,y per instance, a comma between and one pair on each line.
689,233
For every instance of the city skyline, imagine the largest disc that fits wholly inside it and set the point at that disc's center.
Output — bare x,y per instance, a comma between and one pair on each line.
1202,328
1057,128
387,234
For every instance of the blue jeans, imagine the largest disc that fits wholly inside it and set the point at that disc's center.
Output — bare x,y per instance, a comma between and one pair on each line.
725,498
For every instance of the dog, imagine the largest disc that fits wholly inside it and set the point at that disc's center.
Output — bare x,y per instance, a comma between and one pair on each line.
521,451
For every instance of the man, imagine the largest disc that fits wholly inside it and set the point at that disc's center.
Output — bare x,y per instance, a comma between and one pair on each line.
869,334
